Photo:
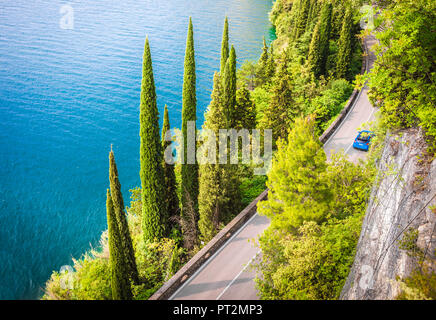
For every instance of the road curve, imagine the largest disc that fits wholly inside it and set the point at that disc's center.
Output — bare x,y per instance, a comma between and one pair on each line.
226,275
361,112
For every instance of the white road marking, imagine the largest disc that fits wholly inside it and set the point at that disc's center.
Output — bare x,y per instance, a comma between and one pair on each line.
237,276
212,257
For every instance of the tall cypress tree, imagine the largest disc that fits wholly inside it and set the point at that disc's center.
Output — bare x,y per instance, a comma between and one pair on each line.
245,115
314,57
319,45
189,110
210,178
301,19
262,74
118,205
224,47
170,177
120,284
326,26
280,112
229,88
271,64
345,46
152,177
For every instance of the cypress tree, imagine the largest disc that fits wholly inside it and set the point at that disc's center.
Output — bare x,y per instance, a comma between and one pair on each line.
224,47
345,46
262,74
189,109
301,19
152,177
120,284
271,64
245,110
314,57
229,88
326,26
210,179
280,112
319,45
312,15
118,205
170,177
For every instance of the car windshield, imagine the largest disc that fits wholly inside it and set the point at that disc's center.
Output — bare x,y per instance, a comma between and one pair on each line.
363,137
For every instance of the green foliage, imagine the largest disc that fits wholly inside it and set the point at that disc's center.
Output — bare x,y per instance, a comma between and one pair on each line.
329,103
345,46
121,220
219,196
403,79
319,45
246,75
421,283
281,110
156,263
224,46
229,90
312,264
171,197
119,263
251,187
189,113
302,8
88,279
298,189
93,280
151,172
316,210
261,97
245,113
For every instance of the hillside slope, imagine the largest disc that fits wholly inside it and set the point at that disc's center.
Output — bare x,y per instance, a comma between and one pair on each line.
402,204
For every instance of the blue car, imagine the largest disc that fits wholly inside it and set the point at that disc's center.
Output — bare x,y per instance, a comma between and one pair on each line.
363,140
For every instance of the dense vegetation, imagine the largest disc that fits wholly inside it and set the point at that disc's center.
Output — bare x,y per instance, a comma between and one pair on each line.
297,87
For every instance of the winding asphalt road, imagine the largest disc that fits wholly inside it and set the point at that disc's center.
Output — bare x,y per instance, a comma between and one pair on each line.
227,275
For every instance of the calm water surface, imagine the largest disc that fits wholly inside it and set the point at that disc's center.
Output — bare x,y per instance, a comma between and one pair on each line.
66,95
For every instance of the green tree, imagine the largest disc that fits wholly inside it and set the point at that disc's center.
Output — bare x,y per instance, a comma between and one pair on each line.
154,210
262,66
319,46
315,56
224,47
119,269
403,79
189,113
219,197
345,46
280,111
301,18
118,206
271,64
210,195
229,89
171,198
298,190
245,115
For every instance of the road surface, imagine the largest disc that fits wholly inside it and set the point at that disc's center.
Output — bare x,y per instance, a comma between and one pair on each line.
227,275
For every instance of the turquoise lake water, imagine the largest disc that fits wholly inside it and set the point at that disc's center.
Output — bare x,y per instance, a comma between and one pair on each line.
66,95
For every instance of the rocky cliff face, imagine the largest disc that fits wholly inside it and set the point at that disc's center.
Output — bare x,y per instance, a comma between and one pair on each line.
402,198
